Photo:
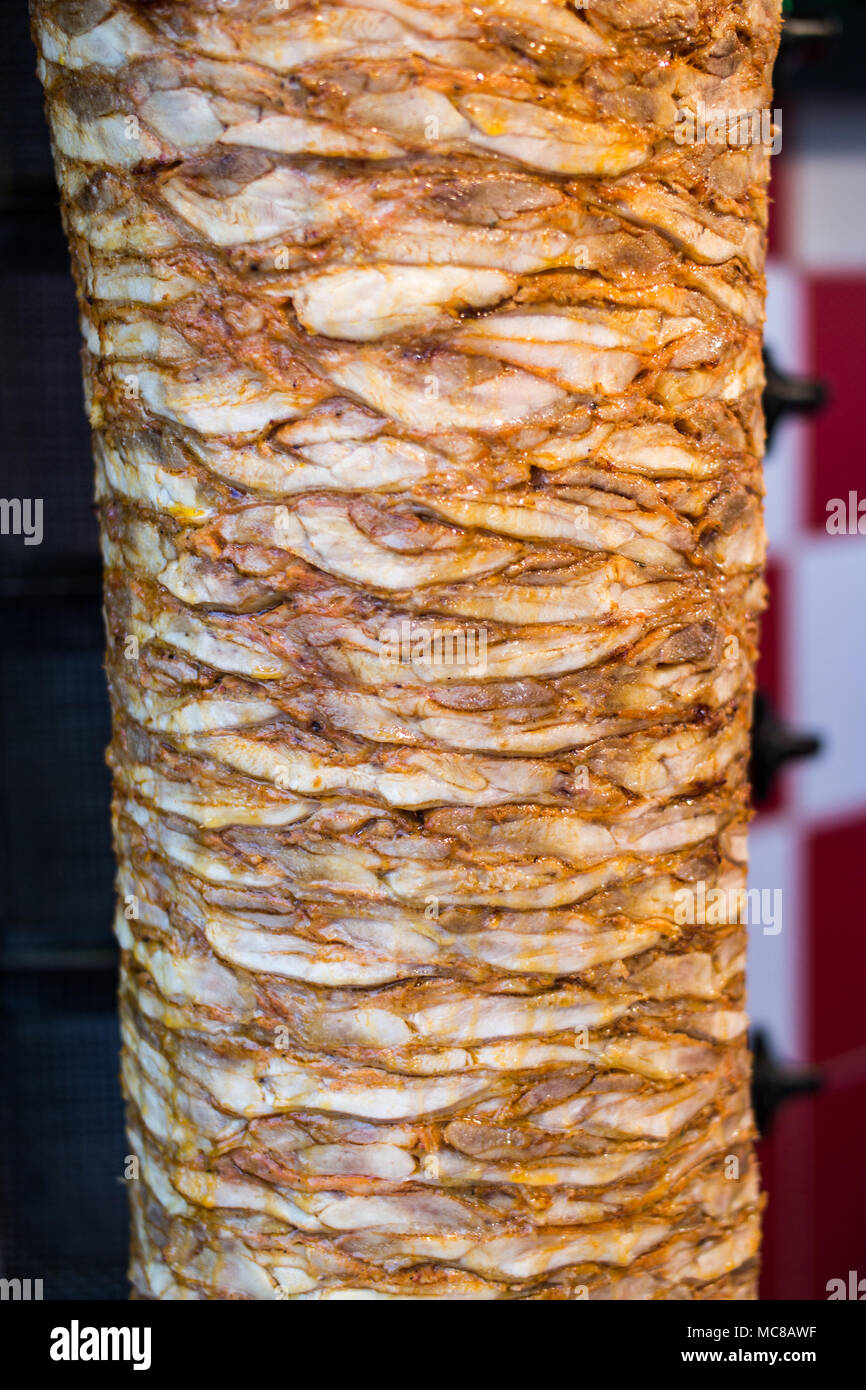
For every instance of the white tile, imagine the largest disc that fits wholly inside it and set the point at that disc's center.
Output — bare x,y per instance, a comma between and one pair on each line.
786,337
775,973
826,179
826,640
785,331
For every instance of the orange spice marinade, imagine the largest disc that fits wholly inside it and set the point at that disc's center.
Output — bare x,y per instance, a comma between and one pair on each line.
423,360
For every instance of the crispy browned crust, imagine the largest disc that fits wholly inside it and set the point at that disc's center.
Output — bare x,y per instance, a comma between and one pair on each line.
423,363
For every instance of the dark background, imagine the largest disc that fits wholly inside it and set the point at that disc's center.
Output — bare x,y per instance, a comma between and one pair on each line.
62,1201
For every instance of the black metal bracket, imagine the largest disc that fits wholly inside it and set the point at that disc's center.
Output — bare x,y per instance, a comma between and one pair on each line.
774,1081
785,394
774,743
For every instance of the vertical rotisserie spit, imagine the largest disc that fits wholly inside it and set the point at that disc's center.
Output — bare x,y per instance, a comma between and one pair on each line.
423,359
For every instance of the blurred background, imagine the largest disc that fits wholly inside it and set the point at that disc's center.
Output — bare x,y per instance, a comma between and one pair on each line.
62,1202
809,834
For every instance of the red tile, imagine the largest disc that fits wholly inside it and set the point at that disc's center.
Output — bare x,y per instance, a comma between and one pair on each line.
812,1170
777,230
788,1180
815,1159
837,311
770,661
840,1198
836,960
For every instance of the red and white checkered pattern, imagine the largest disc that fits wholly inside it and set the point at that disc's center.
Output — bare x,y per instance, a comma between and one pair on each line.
805,983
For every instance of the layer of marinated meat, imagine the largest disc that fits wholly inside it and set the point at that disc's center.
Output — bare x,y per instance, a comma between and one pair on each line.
423,360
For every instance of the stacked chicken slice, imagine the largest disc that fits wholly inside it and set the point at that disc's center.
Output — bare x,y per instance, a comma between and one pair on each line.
423,363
